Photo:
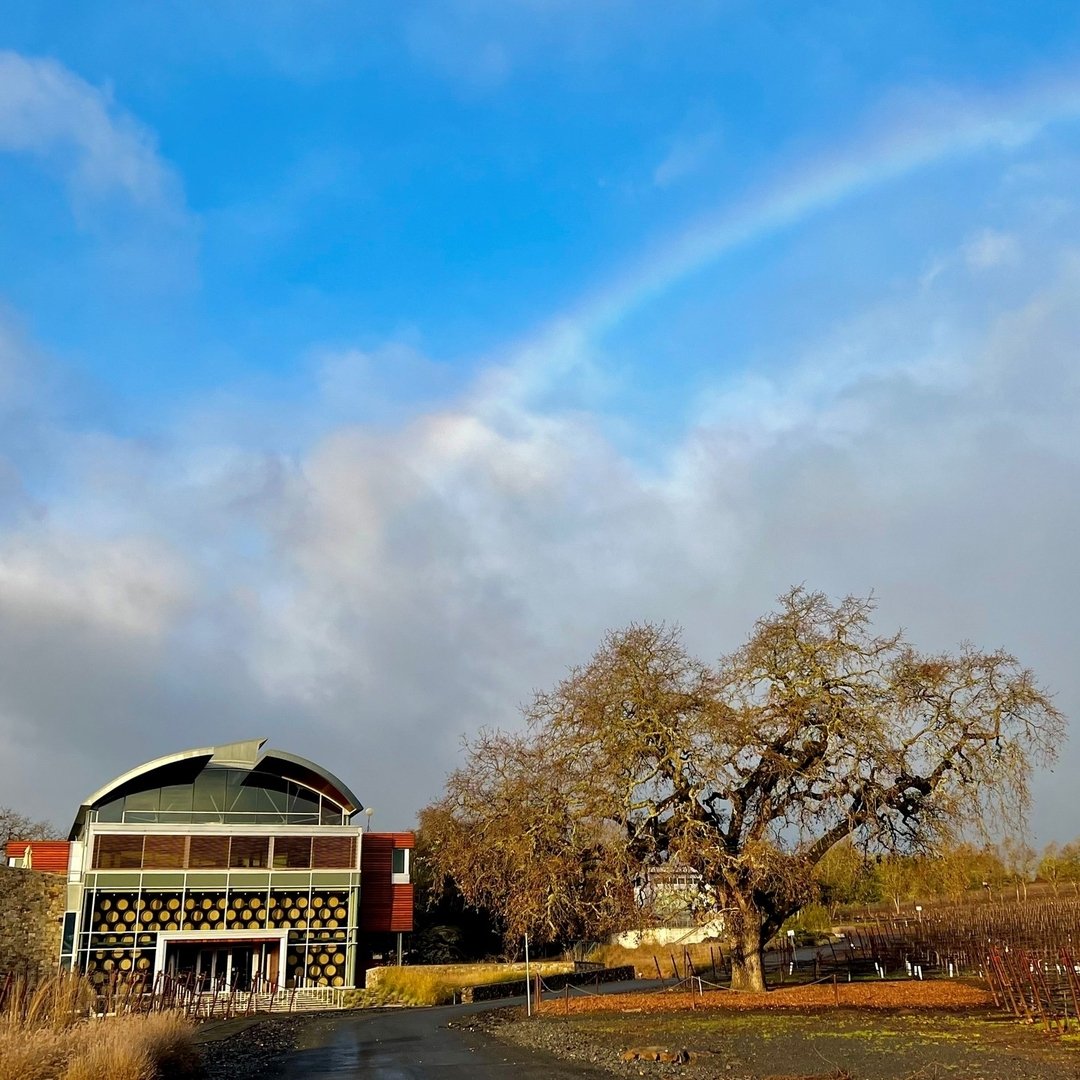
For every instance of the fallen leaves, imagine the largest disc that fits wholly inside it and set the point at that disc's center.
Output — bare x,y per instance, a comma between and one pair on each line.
937,994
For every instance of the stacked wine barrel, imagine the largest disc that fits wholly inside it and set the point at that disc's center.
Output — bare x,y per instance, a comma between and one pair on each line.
317,925
324,915
117,964
119,913
318,965
119,923
244,911
317,934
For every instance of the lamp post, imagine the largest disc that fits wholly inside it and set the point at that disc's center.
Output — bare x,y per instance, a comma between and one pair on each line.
528,980
369,811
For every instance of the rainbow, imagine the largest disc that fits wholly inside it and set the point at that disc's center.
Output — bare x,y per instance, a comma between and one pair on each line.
958,128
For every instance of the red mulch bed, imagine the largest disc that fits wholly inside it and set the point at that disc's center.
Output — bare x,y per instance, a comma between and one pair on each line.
937,994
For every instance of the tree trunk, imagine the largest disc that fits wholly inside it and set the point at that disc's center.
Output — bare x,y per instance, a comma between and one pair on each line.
747,963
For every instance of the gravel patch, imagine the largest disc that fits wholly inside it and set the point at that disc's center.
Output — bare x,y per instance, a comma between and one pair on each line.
745,1046
249,1049
572,1040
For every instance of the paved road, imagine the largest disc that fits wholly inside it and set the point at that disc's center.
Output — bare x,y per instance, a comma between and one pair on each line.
418,1044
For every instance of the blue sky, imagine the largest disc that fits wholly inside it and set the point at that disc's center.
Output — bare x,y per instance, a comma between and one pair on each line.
360,364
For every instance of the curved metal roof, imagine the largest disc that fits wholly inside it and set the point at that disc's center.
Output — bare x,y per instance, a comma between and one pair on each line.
245,755
294,767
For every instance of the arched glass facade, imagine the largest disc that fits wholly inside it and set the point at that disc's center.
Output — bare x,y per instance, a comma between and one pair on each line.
224,796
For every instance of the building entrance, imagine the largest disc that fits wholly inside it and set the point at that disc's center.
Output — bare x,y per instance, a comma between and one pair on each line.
218,965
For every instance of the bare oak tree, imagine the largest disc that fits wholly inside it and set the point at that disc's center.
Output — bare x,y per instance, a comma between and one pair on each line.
16,826
746,772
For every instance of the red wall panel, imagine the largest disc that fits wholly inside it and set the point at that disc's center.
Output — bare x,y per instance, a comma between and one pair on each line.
384,906
47,856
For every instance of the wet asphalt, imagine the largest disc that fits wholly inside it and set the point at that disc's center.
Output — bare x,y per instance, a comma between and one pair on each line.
418,1044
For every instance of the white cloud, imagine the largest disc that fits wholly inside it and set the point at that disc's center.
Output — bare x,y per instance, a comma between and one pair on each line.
412,573
685,157
130,586
426,579
458,52
53,114
481,44
991,249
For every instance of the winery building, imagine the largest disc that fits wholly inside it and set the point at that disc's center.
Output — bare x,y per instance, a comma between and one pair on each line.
227,866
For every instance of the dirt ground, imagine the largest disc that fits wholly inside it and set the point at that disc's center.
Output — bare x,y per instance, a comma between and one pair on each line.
867,1045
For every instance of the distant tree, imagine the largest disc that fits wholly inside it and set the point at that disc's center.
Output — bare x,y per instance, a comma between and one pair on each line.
978,866
897,879
1051,866
846,876
747,772
16,826
1060,864
1021,863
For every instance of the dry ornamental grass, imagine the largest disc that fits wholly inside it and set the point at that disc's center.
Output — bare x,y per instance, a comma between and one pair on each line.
47,1032
435,984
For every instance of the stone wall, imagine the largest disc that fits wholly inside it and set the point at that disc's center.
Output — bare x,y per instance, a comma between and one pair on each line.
31,920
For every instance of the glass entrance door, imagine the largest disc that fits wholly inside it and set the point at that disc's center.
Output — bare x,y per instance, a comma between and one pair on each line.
212,968
240,967
204,966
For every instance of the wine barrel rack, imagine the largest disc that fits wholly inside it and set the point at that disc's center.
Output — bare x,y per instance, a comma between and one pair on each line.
124,927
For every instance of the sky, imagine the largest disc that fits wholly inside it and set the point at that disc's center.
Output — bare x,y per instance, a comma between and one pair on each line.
362,364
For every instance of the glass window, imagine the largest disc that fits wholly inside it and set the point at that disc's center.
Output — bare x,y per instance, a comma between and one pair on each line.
143,800
208,853
113,852
176,802
208,793
248,852
242,803
67,938
292,852
303,806
271,807
400,863
273,797
333,853
111,811
164,852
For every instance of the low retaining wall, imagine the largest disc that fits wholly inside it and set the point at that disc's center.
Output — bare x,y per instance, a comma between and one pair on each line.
494,991
671,935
